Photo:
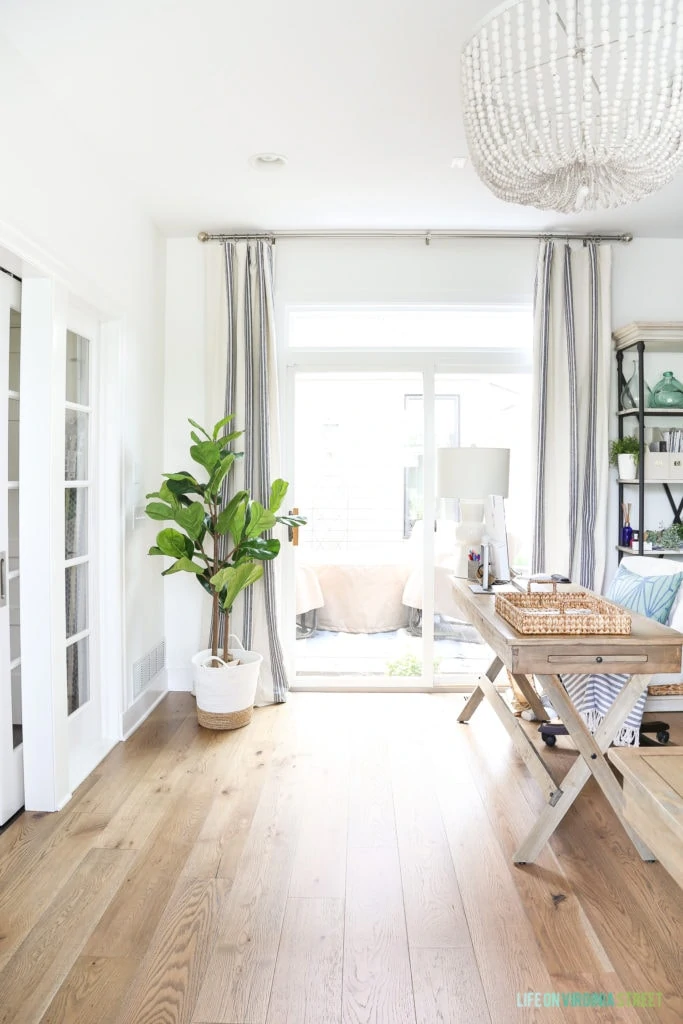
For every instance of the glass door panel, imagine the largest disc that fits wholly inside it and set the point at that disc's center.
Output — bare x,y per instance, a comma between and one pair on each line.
359,453
83,682
493,412
11,727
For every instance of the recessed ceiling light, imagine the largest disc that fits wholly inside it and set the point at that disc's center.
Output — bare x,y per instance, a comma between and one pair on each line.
458,163
267,161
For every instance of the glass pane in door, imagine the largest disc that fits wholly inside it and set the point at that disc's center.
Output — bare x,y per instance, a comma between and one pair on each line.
76,462
77,369
77,675
359,454
76,599
17,729
493,412
76,522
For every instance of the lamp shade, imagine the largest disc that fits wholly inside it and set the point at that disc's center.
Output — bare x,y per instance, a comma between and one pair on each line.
472,472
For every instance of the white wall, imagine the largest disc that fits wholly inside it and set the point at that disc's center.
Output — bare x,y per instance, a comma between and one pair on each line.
61,212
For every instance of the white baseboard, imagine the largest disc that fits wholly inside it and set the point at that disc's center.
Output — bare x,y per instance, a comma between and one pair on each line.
664,703
141,708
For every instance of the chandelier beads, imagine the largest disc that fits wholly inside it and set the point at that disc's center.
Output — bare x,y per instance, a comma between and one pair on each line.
576,104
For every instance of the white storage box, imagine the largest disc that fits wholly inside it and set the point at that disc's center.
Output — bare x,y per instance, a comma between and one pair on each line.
657,465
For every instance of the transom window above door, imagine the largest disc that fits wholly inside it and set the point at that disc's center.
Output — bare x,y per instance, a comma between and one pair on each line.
399,327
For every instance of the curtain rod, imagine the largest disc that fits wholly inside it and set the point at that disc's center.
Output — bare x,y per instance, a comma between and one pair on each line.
205,236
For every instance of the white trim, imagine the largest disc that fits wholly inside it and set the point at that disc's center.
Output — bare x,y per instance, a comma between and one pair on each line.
672,703
77,483
41,459
141,709
76,406
71,640
112,532
69,563
428,517
12,485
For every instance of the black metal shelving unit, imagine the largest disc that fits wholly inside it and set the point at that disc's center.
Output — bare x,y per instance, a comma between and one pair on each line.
641,412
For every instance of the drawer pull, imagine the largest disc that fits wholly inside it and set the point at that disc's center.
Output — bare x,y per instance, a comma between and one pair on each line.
593,659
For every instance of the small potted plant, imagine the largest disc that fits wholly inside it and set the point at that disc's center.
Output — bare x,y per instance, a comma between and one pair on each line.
224,546
624,453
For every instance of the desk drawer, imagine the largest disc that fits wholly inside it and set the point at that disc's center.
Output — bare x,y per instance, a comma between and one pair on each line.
597,657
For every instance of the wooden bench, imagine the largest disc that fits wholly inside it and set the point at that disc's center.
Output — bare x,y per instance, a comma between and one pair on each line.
653,800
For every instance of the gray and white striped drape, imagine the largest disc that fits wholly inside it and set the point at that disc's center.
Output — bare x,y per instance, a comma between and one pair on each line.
571,410
243,379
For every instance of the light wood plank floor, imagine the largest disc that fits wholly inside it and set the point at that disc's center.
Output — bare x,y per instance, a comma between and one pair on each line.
346,859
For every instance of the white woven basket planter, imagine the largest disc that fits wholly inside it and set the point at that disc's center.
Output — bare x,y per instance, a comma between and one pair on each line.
225,695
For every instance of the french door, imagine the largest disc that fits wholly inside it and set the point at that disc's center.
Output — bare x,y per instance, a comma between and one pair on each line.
81,563
11,727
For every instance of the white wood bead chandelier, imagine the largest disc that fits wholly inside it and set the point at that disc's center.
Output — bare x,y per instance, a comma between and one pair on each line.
576,104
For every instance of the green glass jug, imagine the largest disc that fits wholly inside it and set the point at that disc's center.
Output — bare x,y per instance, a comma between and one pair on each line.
667,393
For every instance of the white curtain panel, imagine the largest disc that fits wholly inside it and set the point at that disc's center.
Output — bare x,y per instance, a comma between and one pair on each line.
242,380
572,364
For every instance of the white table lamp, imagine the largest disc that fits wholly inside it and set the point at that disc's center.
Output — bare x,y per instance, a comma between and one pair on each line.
472,475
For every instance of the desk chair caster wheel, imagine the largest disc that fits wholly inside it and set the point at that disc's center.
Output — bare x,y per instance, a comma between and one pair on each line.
663,737
550,731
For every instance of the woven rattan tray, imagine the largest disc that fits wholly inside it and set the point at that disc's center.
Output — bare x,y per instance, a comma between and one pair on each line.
574,614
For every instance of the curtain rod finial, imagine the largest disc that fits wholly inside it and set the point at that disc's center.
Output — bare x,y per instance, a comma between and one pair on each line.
203,236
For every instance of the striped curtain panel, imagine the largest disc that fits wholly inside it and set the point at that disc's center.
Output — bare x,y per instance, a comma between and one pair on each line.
242,381
572,360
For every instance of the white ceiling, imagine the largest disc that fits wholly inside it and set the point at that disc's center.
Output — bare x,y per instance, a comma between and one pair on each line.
362,97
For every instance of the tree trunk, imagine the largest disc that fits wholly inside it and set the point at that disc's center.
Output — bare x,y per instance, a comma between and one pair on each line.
214,632
226,626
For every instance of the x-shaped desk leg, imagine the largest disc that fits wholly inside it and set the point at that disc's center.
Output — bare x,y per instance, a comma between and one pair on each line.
525,748
591,748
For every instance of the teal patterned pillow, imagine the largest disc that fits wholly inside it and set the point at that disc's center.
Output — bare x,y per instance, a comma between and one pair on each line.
652,596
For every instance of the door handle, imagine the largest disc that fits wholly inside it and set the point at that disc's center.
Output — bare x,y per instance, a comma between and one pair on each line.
3,579
294,530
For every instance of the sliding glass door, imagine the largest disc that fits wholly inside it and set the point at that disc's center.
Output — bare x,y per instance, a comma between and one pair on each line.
370,601
359,455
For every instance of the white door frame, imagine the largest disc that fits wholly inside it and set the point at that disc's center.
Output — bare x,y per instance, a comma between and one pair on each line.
429,363
11,757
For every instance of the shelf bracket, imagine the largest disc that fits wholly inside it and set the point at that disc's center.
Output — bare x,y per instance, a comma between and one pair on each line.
676,509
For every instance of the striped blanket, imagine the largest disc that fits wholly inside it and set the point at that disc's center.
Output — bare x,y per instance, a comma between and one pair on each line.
593,696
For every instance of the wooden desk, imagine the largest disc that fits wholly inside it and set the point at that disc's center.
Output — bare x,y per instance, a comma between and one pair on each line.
649,649
653,799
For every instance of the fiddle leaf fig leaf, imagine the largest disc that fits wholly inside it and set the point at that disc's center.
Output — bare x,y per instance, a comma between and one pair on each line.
184,564
159,510
191,519
193,423
225,519
232,580
207,454
259,548
219,426
261,519
219,474
174,544
277,494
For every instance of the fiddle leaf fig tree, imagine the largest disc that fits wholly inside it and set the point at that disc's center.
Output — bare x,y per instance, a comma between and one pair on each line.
224,546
